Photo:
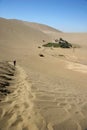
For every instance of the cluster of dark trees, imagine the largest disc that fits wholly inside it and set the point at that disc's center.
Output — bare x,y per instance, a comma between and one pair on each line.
63,43
59,43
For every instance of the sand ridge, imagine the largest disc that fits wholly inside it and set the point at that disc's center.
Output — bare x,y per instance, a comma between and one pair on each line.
16,109
41,93
32,105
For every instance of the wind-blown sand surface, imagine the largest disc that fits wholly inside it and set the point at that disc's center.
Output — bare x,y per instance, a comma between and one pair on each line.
41,93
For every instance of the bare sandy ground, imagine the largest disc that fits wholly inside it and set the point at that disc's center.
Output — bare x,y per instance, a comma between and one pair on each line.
43,93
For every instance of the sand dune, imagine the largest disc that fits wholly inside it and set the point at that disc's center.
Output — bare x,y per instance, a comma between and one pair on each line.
33,106
41,93
12,106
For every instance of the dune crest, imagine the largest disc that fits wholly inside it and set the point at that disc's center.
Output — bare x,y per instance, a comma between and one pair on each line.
16,108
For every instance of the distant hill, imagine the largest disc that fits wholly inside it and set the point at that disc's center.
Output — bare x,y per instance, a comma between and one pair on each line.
38,26
19,32
16,30
42,27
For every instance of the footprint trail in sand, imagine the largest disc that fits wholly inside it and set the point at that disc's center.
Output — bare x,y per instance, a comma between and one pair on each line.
43,104
16,106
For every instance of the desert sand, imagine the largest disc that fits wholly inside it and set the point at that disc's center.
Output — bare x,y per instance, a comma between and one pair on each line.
41,93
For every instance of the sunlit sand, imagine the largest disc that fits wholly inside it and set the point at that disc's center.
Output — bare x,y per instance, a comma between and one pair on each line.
41,93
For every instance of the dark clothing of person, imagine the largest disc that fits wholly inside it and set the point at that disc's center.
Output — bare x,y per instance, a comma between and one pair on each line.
14,62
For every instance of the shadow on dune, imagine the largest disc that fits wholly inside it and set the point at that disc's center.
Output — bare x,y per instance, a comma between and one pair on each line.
7,72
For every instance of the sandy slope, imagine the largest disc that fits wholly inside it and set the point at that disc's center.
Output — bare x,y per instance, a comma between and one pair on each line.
13,106
46,93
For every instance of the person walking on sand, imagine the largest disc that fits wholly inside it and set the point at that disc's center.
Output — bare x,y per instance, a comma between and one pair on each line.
14,62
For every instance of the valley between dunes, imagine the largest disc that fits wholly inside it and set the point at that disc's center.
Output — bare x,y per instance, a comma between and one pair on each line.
41,93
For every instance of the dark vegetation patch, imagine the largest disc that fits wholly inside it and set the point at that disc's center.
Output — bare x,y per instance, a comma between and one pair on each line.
50,44
59,43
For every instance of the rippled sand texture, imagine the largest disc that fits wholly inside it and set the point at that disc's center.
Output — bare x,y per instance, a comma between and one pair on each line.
41,93
16,106
44,104
62,105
